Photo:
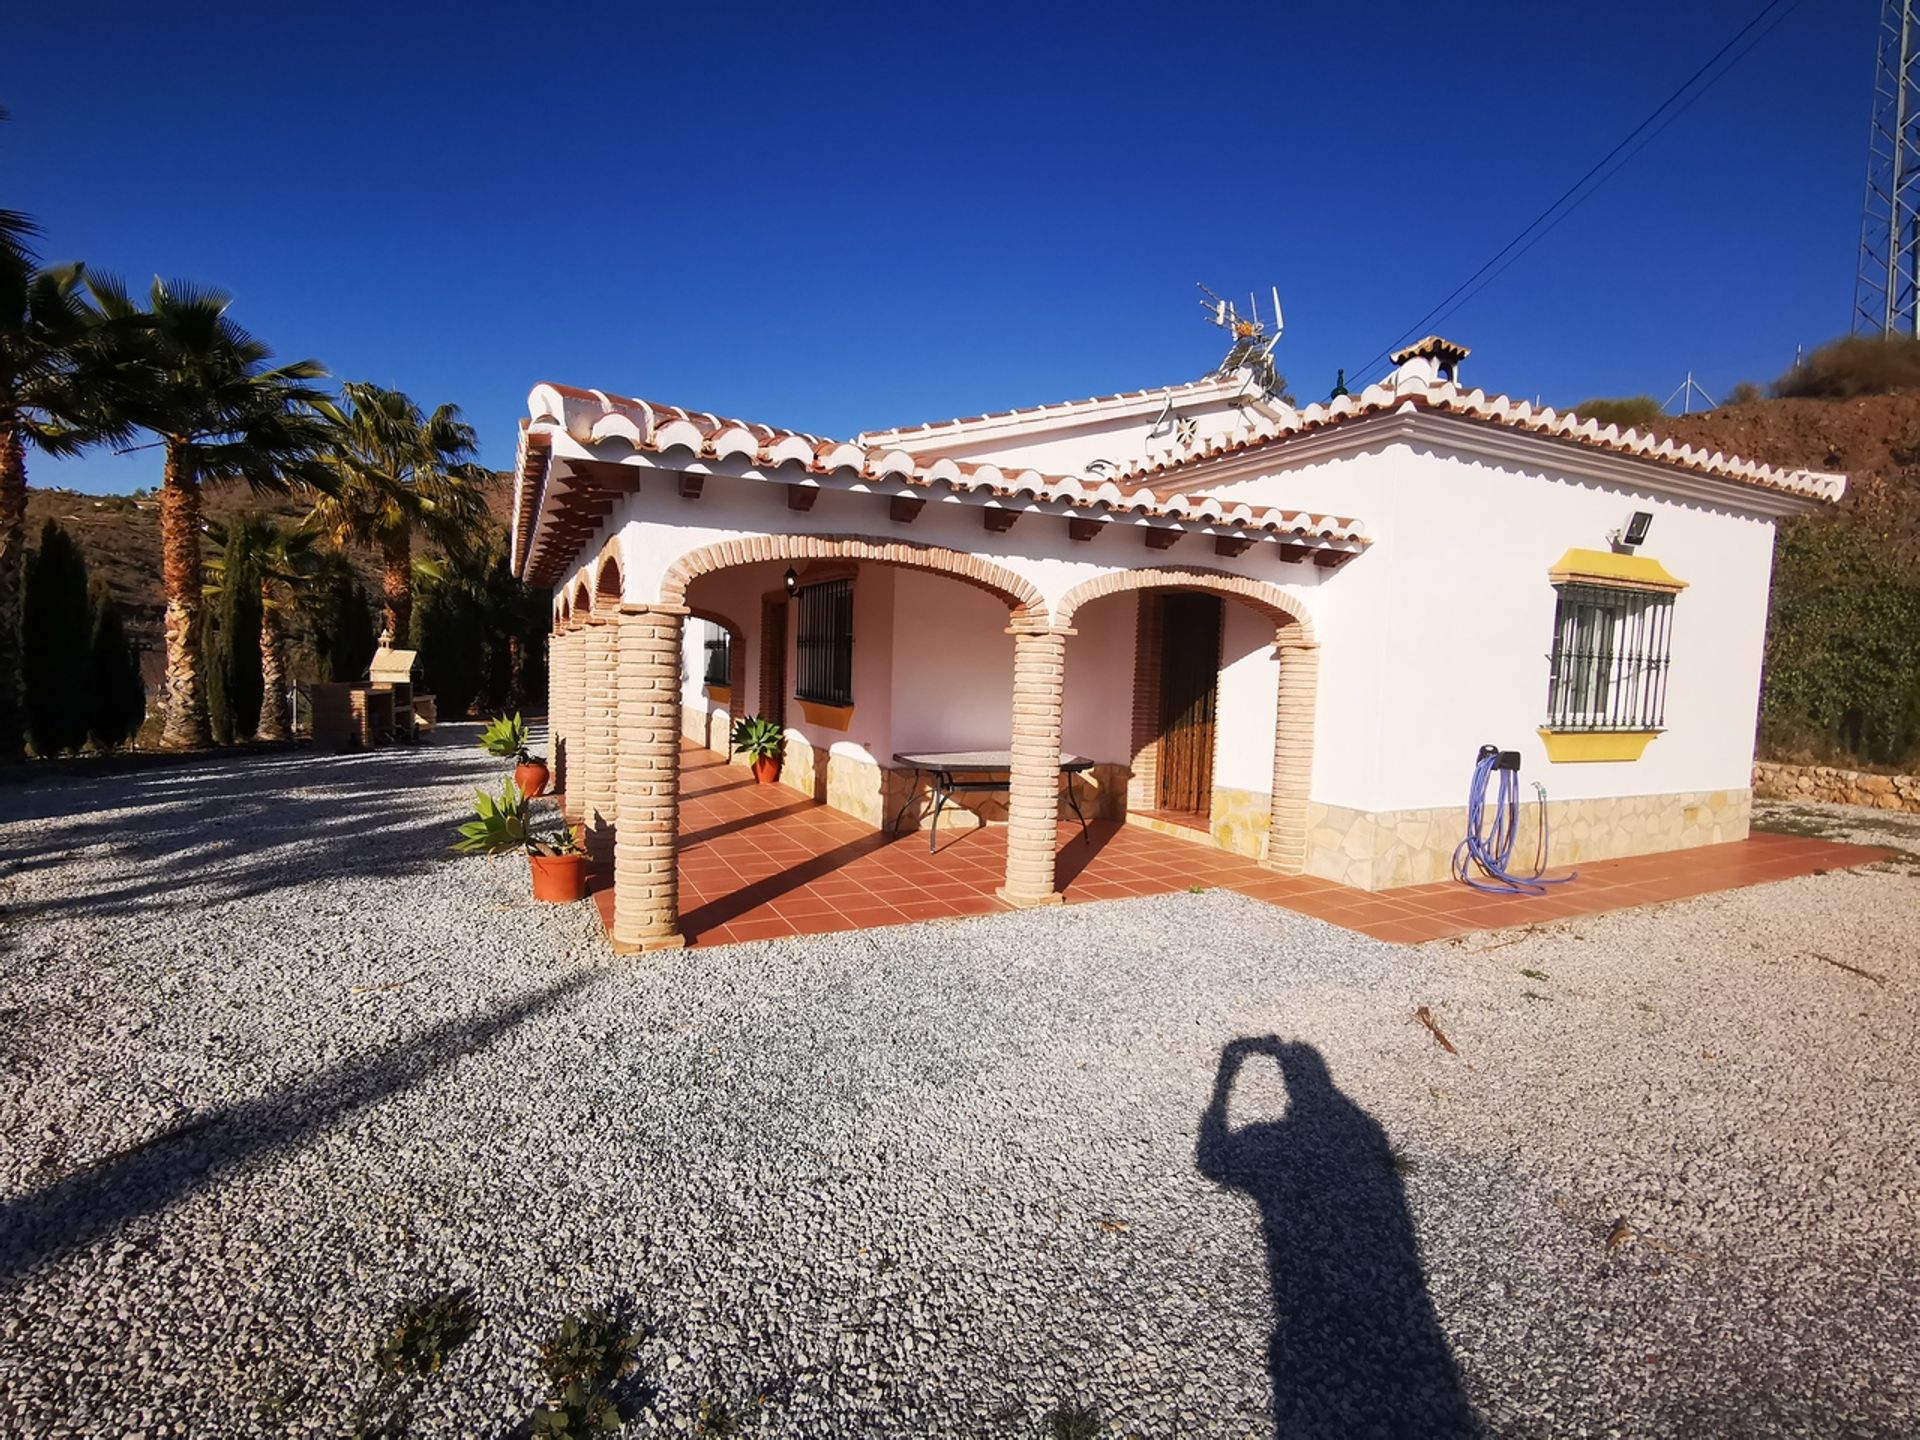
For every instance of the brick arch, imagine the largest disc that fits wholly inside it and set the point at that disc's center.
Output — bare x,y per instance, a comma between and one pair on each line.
736,674
582,603
1295,704
1270,600
1020,596
606,584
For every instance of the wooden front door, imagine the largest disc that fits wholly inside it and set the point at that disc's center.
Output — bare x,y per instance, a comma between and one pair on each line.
773,661
1189,695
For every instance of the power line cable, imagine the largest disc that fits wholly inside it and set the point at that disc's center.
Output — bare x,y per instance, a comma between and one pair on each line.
1574,188
1623,162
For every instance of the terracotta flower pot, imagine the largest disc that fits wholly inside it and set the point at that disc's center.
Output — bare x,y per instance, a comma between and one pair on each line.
531,777
767,769
559,878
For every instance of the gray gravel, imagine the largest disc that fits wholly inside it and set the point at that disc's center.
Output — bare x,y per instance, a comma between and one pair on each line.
272,1064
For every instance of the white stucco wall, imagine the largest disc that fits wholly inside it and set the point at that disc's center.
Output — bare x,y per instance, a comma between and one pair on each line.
655,527
1096,717
1131,433
1431,643
1436,641
1249,693
952,665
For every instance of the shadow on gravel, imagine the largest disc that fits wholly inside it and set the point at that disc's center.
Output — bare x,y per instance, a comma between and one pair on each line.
208,833
165,1168
1356,1348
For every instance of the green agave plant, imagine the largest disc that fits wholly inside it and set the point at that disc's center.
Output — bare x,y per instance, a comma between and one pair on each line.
507,738
759,738
503,823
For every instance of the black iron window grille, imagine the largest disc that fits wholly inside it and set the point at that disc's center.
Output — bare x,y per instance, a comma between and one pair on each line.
823,643
1611,650
719,657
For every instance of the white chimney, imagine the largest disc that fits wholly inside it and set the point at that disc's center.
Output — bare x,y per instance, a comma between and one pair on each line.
1433,359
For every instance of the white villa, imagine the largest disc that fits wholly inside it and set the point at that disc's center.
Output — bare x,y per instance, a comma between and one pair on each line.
1283,631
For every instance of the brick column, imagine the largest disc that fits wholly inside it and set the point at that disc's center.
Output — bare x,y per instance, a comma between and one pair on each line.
557,708
599,682
1033,802
1143,780
646,887
1292,752
565,658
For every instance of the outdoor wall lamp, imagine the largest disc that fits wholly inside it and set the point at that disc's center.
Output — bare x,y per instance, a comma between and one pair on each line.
793,581
1635,533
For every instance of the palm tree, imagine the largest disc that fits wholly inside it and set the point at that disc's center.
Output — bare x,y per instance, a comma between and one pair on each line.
397,470
53,395
286,562
206,389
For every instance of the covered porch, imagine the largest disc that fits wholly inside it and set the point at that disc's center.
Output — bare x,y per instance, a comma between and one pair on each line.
763,862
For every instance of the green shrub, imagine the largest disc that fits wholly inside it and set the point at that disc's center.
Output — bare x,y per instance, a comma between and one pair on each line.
1843,648
1629,411
420,1336
481,632
1855,365
56,635
584,1359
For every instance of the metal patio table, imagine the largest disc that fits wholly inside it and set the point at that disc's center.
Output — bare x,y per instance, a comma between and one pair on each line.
943,765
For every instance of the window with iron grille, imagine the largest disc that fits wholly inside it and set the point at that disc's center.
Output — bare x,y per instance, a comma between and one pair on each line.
823,643
719,656
1610,656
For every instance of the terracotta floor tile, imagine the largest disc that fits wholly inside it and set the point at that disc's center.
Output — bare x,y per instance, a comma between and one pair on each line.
861,916
803,903
761,860
773,928
1408,932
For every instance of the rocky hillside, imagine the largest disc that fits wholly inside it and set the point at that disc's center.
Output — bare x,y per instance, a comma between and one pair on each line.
1875,439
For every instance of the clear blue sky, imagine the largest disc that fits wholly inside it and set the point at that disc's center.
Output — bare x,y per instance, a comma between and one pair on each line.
837,220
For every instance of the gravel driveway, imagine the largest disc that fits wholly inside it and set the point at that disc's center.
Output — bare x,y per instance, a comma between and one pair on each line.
273,1064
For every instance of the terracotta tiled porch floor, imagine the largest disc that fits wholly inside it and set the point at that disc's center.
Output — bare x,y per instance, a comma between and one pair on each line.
759,862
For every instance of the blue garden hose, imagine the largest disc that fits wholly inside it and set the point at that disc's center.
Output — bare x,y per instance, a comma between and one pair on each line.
1489,849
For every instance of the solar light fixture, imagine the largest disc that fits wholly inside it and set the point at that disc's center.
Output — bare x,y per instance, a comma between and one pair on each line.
793,581
1635,532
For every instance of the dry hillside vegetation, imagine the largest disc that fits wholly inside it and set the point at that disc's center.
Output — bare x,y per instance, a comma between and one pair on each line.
1874,439
120,537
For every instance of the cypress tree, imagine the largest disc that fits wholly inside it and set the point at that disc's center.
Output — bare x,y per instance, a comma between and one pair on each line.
119,700
56,644
342,625
235,685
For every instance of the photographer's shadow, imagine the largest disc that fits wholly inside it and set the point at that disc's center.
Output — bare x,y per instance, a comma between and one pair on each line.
1356,1348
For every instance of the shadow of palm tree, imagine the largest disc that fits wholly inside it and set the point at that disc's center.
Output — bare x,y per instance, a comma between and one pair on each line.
167,1167
196,834
1356,1348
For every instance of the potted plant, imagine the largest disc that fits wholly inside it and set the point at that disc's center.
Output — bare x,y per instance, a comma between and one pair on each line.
762,742
507,738
504,823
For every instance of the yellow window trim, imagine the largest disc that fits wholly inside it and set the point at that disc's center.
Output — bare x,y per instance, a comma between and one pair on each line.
1572,747
827,717
1605,567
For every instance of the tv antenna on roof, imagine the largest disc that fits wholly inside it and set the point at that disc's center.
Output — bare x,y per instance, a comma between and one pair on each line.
1252,347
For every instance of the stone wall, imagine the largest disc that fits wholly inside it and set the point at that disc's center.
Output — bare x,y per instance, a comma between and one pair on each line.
1379,850
1837,787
